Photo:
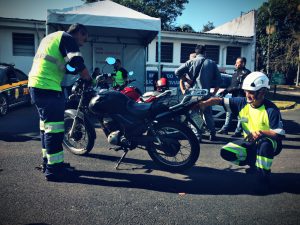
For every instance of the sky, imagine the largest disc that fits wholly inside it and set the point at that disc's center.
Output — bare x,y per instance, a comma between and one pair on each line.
197,12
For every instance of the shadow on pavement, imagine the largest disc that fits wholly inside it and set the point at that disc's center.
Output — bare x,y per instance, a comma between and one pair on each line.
198,180
291,127
19,137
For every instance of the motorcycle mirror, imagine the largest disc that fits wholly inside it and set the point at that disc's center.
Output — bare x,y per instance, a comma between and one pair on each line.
130,73
110,60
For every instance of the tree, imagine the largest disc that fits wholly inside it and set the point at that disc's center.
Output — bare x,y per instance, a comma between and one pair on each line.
278,27
183,28
207,27
166,10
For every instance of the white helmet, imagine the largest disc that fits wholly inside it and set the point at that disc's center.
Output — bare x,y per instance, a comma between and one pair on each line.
255,81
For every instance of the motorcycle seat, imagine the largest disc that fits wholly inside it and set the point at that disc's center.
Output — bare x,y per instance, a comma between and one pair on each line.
140,110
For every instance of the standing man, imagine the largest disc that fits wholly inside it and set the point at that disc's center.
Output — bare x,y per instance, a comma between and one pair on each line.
262,126
121,75
45,77
203,73
235,88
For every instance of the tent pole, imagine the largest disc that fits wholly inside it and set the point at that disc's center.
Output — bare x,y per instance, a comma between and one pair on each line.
159,53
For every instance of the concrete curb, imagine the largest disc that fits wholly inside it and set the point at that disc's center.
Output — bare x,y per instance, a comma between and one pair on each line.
288,105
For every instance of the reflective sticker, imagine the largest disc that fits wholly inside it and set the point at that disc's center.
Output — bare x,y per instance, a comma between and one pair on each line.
44,153
17,94
42,125
26,91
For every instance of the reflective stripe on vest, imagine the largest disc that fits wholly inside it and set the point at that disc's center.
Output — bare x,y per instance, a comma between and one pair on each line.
119,78
263,162
51,59
254,119
55,158
54,127
240,151
46,71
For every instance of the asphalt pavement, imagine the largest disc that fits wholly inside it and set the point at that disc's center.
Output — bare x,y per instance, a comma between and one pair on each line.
212,192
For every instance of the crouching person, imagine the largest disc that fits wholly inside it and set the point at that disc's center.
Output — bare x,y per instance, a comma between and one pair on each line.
262,127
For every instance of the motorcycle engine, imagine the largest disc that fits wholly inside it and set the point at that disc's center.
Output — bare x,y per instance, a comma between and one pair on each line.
114,138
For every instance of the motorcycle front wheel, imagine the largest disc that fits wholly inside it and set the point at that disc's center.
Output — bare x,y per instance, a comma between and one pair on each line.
81,142
175,148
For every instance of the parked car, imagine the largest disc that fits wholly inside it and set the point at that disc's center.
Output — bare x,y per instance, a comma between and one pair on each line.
13,88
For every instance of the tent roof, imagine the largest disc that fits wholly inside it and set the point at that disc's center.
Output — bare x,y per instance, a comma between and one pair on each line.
242,26
99,16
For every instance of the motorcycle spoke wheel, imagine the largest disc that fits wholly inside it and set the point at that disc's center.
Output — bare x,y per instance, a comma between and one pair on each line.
79,143
179,148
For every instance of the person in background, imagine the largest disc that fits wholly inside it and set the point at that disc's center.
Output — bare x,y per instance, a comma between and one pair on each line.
235,88
67,84
262,127
57,54
185,81
120,76
203,72
95,73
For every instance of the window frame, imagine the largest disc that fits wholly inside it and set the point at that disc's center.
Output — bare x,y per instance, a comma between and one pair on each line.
23,44
164,57
231,58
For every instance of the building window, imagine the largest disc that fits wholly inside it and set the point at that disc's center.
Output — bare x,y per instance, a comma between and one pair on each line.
212,52
232,54
23,44
166,52
186,50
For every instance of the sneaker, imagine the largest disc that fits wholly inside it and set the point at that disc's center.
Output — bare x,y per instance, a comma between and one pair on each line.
222,131
237,135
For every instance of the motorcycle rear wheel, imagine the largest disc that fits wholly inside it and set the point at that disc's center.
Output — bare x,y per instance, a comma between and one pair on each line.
179,149
82,141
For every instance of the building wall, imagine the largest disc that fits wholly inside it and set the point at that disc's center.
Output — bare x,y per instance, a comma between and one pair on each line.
188,38
6,47
8,26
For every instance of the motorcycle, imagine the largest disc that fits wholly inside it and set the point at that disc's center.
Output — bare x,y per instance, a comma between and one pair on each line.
129,125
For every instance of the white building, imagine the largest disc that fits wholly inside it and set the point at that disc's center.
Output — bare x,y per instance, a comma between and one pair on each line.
19,39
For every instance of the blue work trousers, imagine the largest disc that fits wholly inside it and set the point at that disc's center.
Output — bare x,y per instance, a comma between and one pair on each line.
50,105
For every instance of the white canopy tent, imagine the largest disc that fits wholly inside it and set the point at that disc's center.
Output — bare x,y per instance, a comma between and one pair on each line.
114,30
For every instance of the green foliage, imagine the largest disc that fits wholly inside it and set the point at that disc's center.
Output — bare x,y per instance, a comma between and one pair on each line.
183,28
284,42
166,10
207,27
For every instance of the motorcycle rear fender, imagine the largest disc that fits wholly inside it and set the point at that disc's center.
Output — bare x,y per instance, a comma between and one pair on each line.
72,113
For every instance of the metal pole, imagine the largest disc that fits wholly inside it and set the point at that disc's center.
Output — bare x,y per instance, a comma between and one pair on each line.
159,53
268,53
298,72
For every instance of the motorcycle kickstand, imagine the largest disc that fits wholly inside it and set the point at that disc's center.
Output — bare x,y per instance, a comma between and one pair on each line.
122,157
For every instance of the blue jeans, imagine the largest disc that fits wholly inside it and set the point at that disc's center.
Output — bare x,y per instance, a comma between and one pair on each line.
210,123
228,121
